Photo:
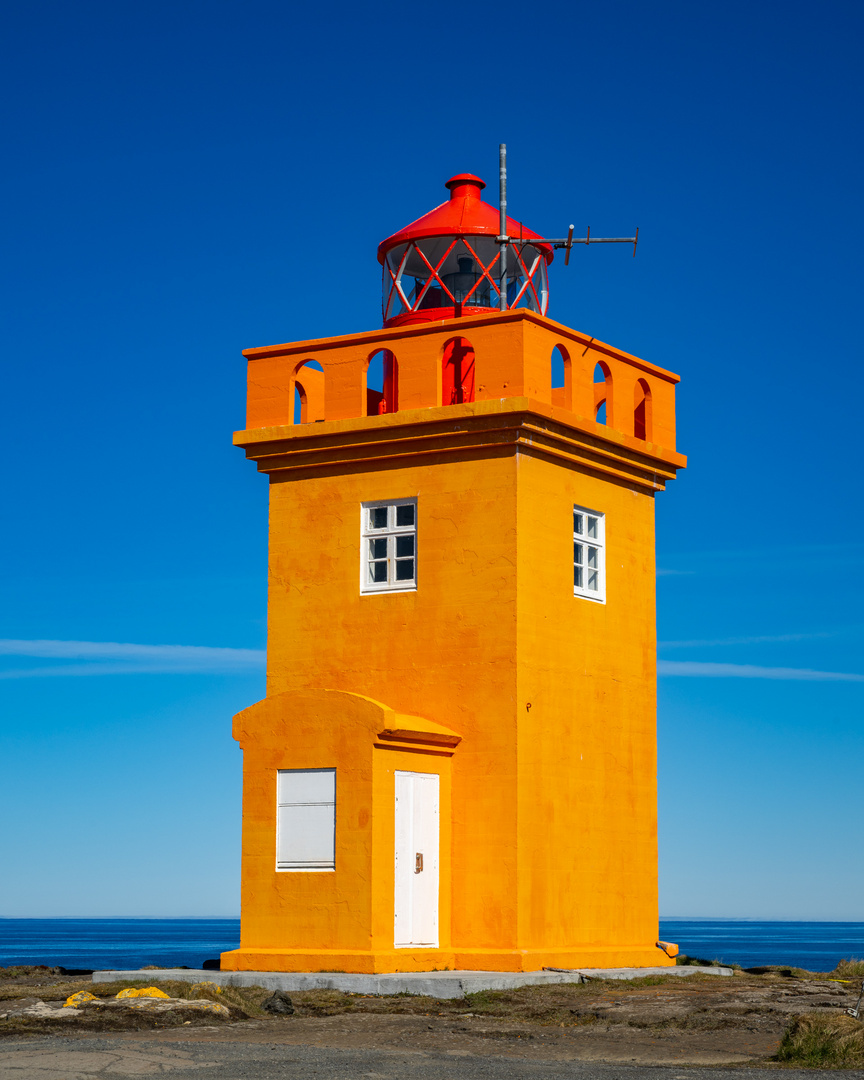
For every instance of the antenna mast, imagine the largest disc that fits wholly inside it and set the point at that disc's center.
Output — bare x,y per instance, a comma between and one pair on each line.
566,243
502,227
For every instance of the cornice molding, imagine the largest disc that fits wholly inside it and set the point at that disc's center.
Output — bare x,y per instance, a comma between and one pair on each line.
482,429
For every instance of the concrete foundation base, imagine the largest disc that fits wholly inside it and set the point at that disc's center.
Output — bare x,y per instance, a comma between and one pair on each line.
419,960
437,984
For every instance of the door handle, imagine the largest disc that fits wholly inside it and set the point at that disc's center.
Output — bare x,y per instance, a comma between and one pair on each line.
418,863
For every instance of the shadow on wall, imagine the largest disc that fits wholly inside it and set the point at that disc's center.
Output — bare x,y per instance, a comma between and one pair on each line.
642,410
457,372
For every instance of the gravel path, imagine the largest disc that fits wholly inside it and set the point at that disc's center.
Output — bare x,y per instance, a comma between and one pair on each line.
84,1058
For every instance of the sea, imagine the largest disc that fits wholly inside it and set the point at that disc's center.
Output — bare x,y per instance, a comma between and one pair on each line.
99,944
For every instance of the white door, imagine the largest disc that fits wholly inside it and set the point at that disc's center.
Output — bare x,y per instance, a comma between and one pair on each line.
416,904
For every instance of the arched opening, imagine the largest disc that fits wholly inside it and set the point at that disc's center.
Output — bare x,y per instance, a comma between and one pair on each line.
560,378
382,383
308,392
642,410
457,372
602,393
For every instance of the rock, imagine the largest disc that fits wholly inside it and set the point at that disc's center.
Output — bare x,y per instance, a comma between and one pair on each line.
13,1007
279,1004
161,1004
170,1004
47,1012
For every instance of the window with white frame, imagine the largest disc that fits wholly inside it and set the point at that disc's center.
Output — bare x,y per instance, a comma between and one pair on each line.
589,570
388,546
306,819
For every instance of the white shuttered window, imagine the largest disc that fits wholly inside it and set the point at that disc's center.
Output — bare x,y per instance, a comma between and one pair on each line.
306,819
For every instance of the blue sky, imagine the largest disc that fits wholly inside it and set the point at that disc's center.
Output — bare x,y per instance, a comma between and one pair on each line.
185,181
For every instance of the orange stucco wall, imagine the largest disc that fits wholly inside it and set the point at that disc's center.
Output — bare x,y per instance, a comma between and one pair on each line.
587,744
549,855
446,651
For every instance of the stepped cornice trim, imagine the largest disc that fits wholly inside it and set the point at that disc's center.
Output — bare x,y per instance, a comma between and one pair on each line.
481,429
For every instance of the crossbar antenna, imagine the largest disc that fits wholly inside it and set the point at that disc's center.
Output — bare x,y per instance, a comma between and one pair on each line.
559,243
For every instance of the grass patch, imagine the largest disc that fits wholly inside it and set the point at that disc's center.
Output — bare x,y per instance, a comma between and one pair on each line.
826,1042
28,971
683,960
849,969
560,1003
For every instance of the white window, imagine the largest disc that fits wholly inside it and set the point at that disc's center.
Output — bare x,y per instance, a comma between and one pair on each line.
589,568
388,546
306,819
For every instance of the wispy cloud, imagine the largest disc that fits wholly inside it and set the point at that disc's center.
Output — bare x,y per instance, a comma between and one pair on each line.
128,659
698,669
763,640
771,560
781,551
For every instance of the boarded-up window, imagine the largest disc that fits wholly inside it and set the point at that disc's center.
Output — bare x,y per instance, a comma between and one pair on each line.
306,819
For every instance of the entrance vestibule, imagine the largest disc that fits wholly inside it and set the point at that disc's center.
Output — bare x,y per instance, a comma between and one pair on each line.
417,831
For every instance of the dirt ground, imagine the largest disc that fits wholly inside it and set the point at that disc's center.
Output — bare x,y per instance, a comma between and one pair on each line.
661,1020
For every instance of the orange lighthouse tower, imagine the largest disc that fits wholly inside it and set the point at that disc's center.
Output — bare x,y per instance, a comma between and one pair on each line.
455,762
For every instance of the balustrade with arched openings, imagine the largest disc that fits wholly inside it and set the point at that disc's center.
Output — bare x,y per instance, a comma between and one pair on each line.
363,377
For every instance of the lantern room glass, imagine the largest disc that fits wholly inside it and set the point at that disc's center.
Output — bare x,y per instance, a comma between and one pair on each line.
461,271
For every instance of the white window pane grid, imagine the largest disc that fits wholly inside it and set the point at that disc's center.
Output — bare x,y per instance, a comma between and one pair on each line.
389,546
306,819
589,528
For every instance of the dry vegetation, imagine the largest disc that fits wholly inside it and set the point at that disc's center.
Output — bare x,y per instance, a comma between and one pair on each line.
801,1012
849,969
823,1042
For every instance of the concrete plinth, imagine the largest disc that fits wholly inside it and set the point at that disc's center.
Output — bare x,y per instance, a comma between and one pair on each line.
437,984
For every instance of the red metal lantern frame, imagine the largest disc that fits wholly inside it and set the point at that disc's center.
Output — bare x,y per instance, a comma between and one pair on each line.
529,276
434,245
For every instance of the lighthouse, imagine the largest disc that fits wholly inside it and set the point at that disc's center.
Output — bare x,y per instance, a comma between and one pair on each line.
455,762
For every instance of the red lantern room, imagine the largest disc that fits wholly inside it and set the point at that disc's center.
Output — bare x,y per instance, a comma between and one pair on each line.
448,263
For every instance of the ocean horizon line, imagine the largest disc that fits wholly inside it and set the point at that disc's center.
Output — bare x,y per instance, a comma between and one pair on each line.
139,918
222,917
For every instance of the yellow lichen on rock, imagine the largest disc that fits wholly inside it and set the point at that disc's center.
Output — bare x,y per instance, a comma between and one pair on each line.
78,999
212,1006
147,992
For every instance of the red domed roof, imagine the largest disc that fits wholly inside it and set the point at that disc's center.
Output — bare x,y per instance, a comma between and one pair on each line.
465,214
